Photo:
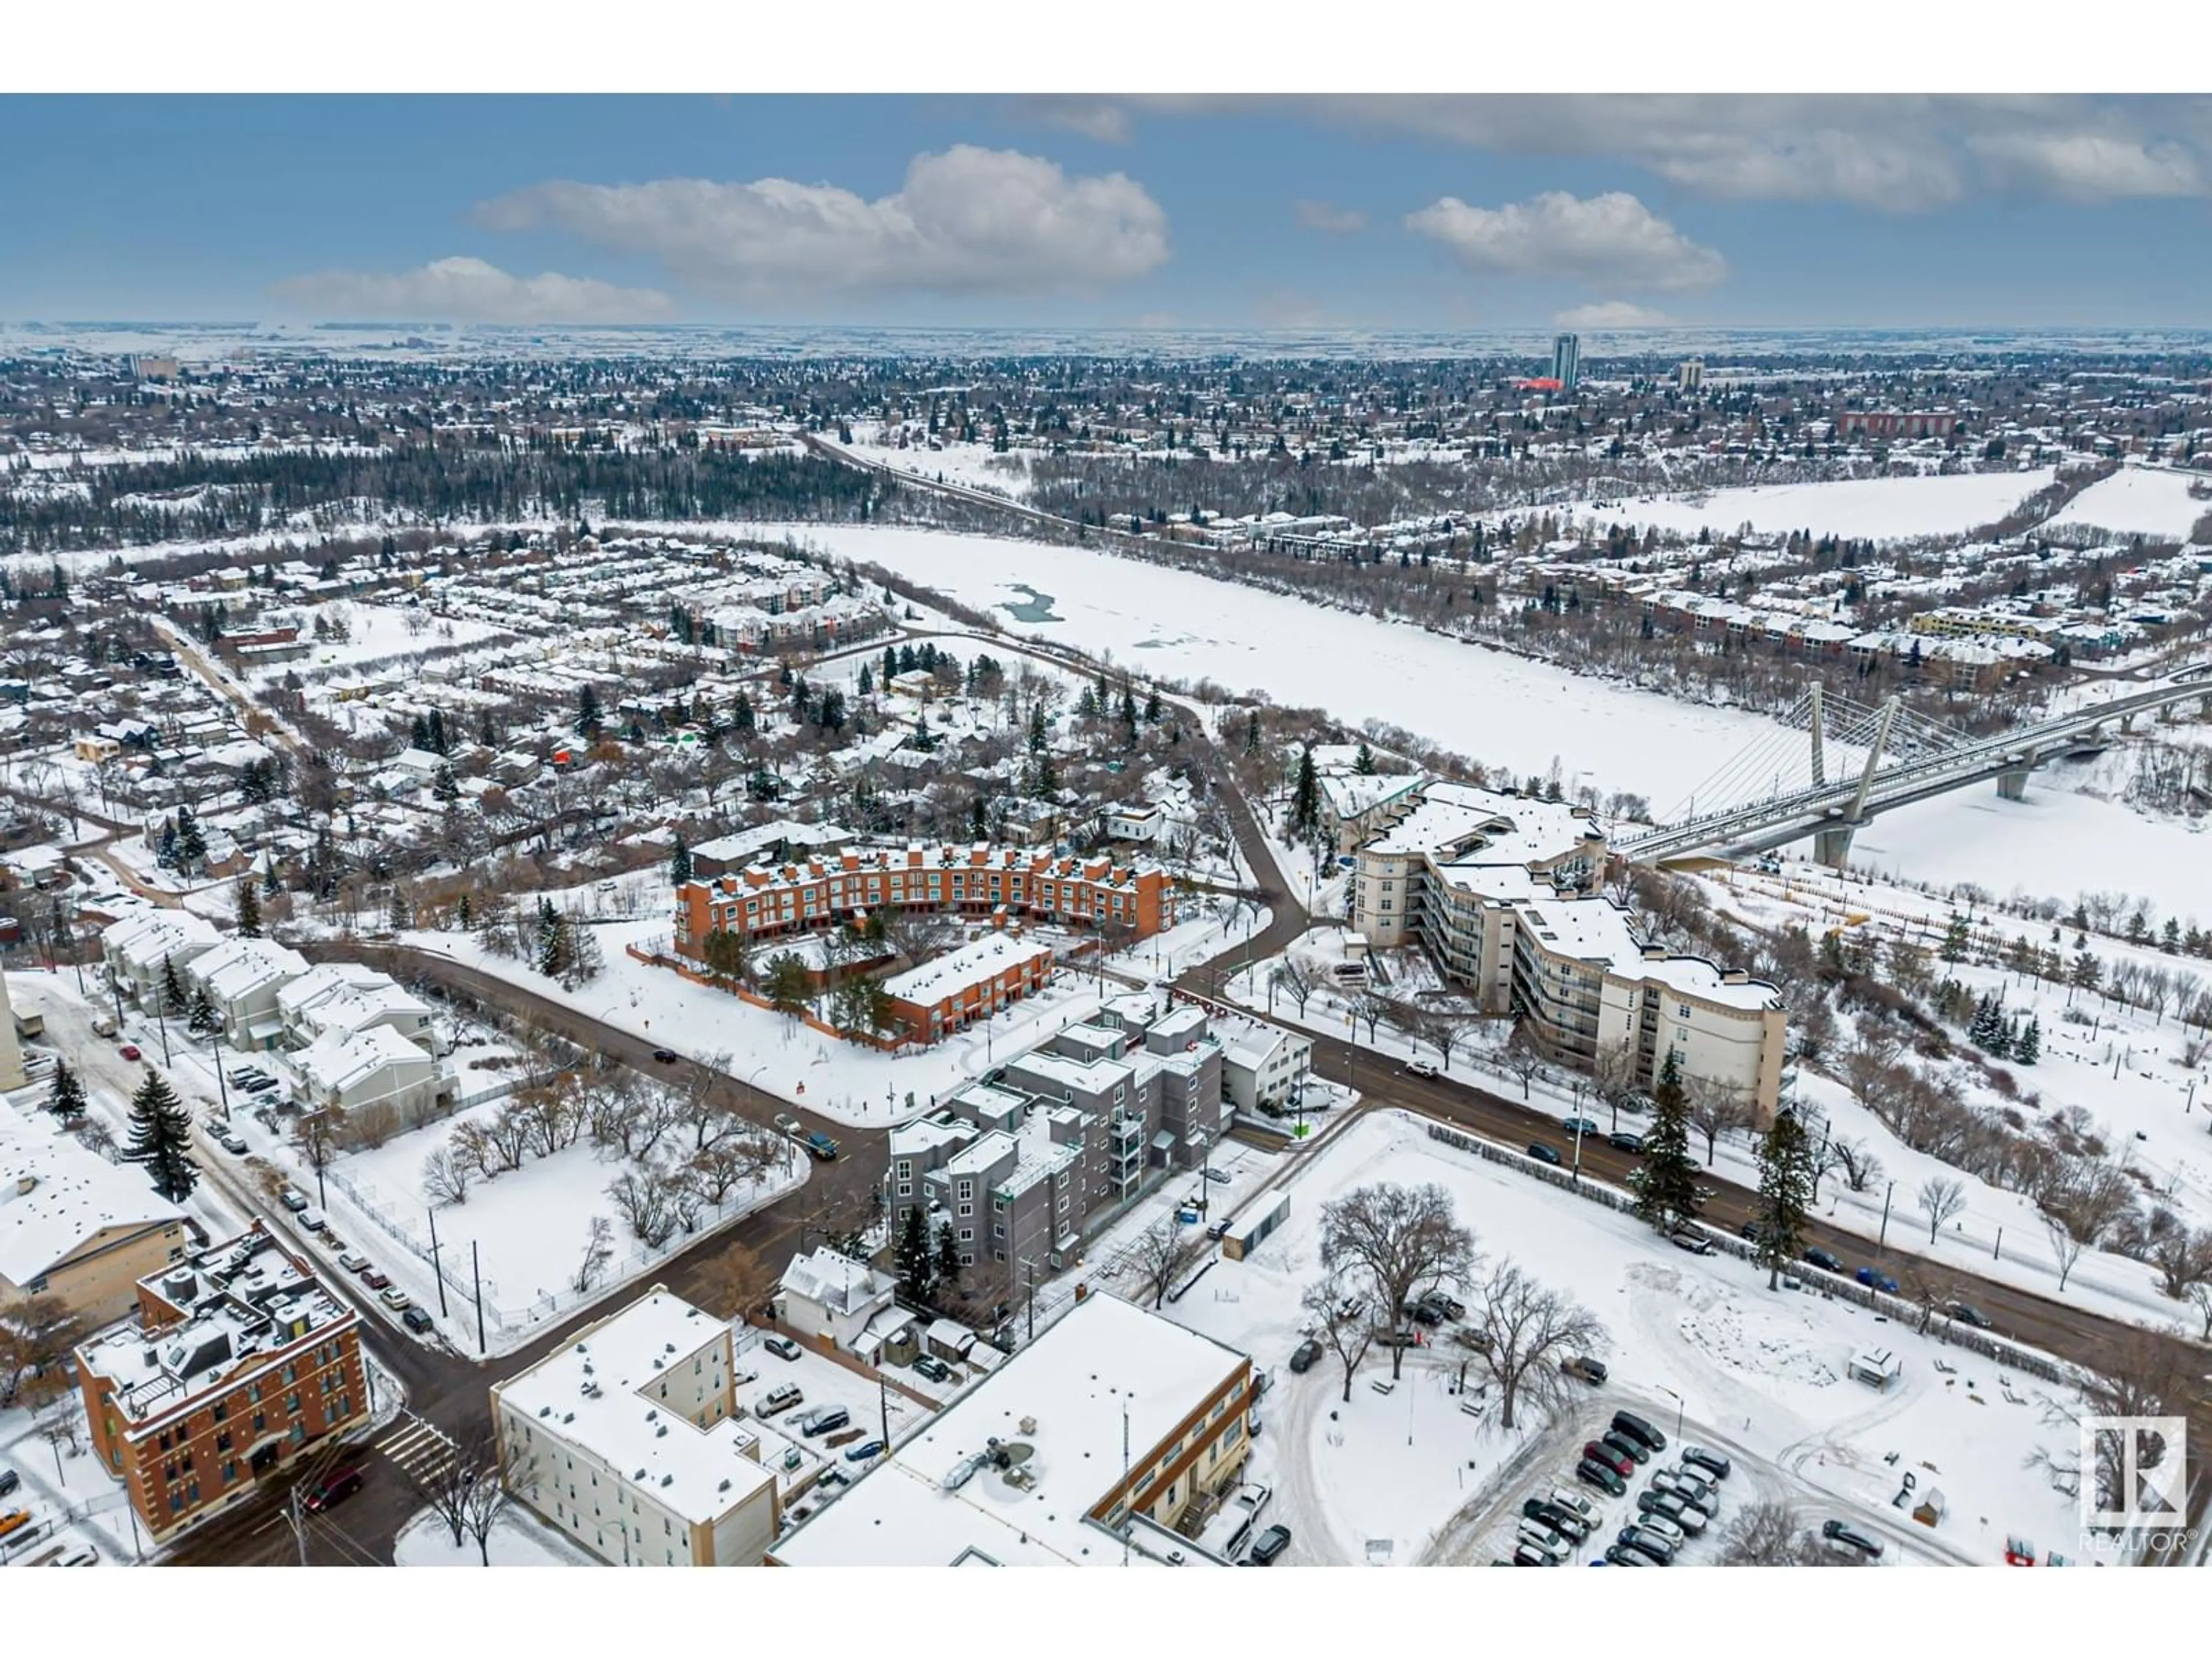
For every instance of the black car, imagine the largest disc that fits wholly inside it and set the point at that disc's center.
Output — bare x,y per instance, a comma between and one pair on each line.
1627,1425
1824,1259
1561,1521
8,1481
1542,1153
1267,1546
416,1320
1305,1356
1967,1313
1620,1555
1621,1446
1651,1543
666,1056
1712,1463
1591,1473
1750,1230
1626,1141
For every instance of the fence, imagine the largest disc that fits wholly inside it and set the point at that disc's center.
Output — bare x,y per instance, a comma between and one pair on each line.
1890,1307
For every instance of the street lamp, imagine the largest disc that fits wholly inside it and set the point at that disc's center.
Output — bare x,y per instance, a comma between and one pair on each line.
1677,1399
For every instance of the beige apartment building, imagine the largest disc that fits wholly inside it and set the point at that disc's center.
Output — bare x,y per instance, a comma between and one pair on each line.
75,1227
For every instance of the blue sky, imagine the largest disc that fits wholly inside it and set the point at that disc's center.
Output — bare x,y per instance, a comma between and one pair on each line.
1479,212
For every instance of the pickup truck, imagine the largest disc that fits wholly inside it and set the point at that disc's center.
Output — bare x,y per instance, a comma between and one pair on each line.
821,1145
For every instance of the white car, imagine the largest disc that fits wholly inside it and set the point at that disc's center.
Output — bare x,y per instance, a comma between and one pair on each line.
312,1220
1419,1068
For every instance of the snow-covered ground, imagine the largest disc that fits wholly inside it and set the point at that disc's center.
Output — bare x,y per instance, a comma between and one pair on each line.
1503,709
1762,1375
1877,509
2141,501
376,633
517,1539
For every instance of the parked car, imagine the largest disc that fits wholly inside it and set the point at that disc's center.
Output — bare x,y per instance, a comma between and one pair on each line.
1620,1555
395,1300
1750,1230
1695,1243
1877,1280
1661,1514
353,1261
376,1278
1631,1427
781,1347
929,1365
1568,1524
1626,1141
1591,1371
416,1320
1824,1259
864,1451
1588,1126
1221,1175
333,1488
1574,1504
8,1481
314,1220
1218,1231
1634,1452
293,1200
1544,1538
824,1419
1967,1313
13,1522
786,1124
234,1143
1615,1455
1542,1153
780,1398
1419,1068
1689,1489
1532,1555
1305,1356
129,1051
1844,1535
1650,1543
1603,1476
1712,1463
1269,1546
666,1056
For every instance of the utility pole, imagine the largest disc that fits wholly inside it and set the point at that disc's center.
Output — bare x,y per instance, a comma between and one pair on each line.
884,1405
215,1054
297,1517
476,1270
1881,1243
437,1268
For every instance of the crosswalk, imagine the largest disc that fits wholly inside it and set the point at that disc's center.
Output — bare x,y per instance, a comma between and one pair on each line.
421,1449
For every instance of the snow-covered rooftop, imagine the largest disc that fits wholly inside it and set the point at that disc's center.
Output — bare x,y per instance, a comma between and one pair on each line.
73,1194
973,964
239,967
835,1281
1109,1381
338,1061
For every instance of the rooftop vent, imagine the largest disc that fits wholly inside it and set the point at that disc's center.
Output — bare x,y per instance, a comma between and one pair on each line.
568,1417
640,1475
545,1411
725,1487
667,1479
661,1433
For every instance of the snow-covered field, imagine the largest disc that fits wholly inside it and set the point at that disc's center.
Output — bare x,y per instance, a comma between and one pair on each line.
517,1539
1762,1375
377,634
2141,501
1877,509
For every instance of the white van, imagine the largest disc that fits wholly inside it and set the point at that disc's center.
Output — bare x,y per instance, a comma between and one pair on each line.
103,1025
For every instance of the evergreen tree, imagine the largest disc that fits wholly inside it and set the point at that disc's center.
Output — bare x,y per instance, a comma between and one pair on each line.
1305,794
1129,709
1364,763
398,914
978,829
172,987
464,912
948,1254
445,786
1252,733
891,666
1037,734
1152,710
418,734
202,1018
1666,1181
249,907
1086,706
1957,937
2029,1049
866,683
917,1274
741,714
2087,973
439,743
679,861
553,946
192,844
161,1139
587,712
65,1095
1785,1193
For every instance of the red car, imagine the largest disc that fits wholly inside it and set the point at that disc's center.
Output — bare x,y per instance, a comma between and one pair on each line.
1599,1453
129,1051
375,1279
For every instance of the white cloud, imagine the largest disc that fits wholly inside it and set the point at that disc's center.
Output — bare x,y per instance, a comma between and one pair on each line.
1611,313
969,220
472,291
1091,118
1327,217
2089,166
1897,153
1611,238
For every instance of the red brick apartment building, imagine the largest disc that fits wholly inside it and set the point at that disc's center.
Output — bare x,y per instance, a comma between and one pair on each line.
973,982
238,1362
766,901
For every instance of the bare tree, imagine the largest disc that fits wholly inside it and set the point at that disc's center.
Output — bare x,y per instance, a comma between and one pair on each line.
1161,1252
441,1486
36,1336
1400,1239
1295,982
647,1206
720,1168
1528,1329
502,1473
1338,1319
2140,1373
737,1284
1714,1109
2200,1297
1940,1198
1861,1168
599,1250
1524,1054
2064,1247
1764,1534
446,1178
1371,1009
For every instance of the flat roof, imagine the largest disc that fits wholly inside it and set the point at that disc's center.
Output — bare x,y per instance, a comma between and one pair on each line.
1105,1374
74,1193
973,964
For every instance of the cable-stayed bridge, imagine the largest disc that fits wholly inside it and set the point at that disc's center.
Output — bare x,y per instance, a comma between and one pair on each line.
1832,764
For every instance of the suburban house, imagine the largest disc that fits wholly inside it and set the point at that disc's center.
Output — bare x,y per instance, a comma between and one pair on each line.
344,998
629,1439
1265,1066
237,1364
831,1296
372,1070
75,1227
1084,1448
137,947
1498,889
242,978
